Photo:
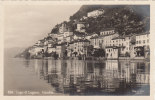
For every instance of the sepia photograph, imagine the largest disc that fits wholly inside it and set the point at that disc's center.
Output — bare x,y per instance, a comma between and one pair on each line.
77,50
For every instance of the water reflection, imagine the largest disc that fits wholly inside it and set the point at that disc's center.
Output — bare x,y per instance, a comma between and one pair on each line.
111,77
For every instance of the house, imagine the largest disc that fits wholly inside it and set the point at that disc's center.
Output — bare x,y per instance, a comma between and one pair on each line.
68,33
106,40
63,28
60,37
111,52
95,13
107,31
120,42
36,50
142,47
95,42
80,27
80,47
51,49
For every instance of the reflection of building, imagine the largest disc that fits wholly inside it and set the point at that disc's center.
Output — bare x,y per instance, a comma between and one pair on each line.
79,76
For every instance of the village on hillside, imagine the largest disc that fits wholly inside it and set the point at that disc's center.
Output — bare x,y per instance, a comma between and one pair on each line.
79,44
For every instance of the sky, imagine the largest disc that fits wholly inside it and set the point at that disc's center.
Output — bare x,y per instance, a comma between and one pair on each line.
25,24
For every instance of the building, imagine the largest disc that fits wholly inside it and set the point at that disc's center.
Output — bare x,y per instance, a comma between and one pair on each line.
95,13
142,47
36,50
107,31
60,37
95,42
51,49
112,52
63,28
106,40
80,47
78,36
80,27
66,34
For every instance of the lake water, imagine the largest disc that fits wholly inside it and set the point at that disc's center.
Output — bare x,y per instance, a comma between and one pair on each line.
76,77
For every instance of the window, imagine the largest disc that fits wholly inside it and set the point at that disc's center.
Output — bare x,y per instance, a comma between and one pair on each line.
139,42
144,41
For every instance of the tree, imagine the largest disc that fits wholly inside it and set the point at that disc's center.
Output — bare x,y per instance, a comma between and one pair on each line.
90,50
99,53
127,54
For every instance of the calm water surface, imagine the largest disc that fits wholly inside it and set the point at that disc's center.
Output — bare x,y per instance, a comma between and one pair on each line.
78,77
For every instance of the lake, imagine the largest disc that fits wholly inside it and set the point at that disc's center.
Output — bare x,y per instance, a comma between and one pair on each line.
76,77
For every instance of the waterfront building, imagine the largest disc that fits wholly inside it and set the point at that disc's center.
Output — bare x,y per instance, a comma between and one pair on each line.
112,52
106,39
36,50
142,48
80,47
95,13
51,49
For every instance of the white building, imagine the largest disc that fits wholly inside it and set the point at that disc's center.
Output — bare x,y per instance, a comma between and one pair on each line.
80,47
95,13
142,39
80,27
112,52
107,31
51,49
